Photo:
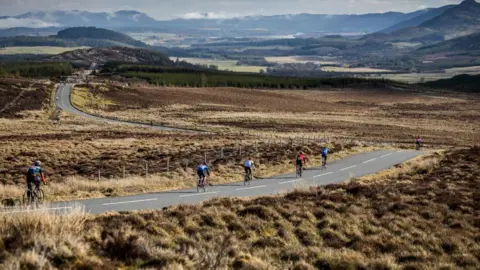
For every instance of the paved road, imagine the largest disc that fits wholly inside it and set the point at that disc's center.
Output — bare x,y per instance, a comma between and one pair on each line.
339,171
63,103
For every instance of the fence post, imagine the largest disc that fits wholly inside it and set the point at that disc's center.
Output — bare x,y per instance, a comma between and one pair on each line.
205,157
186,164
221,153
240,151
99,175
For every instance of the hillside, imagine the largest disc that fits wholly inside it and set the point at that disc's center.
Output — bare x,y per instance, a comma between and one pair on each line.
451,22
463,83
75,37
428,14
467,44
78,33
457,21
115,54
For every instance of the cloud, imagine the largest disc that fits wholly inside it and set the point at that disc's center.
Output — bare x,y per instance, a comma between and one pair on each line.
32,23
210,15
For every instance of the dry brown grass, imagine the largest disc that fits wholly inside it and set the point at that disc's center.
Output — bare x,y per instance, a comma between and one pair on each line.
425,218
73,151
375,116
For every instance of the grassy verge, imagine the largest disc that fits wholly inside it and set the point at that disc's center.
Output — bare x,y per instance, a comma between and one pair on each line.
421,219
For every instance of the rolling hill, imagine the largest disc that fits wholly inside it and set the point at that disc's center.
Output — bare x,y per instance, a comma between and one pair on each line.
454,21
464,44
75,37
116,54
457,21
427,15
98,33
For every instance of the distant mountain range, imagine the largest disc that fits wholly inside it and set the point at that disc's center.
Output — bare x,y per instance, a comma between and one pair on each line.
37,23
435,25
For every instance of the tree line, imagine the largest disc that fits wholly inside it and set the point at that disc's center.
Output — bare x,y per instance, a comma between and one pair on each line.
187,77
35,70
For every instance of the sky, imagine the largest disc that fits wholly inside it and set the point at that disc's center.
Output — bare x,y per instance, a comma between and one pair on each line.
169,9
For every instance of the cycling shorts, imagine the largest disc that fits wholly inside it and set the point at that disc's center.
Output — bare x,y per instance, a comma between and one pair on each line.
201,173
248,170
299,162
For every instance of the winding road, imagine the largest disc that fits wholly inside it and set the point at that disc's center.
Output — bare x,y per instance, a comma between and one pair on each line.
336,172
63,102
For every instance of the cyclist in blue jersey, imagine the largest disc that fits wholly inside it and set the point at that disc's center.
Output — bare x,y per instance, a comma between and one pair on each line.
202,172
35,177
324,152
249,165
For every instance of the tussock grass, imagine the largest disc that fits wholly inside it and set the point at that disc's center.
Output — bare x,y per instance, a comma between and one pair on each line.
425,218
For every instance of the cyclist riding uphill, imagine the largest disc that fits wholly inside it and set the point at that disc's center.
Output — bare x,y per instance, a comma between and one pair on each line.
202,171
418,142
324,153
249,165
35,176
301,159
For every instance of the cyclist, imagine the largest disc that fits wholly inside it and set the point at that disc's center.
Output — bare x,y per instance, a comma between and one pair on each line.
35,177
324,154
301,160
202,171
418,142
249,165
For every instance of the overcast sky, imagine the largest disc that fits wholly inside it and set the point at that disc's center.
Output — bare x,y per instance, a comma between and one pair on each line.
168,9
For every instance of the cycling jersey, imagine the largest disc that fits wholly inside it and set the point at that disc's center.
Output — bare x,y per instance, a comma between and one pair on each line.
249,164
301,157
325,151
35,174
201,170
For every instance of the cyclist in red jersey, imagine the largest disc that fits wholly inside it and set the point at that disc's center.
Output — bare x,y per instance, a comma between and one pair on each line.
301,159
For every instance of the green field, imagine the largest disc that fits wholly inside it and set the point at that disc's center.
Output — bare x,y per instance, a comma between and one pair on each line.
37,50
230,65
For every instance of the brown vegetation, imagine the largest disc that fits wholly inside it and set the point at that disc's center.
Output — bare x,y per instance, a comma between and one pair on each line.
19,95
74,152
388,116
427,218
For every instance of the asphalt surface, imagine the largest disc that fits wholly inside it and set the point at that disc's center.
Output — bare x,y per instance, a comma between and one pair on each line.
336,172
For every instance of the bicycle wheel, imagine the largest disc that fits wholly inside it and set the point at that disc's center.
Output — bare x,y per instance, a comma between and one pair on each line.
39,196
25,198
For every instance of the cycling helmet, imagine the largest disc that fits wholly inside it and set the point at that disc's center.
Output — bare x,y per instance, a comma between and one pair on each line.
37,163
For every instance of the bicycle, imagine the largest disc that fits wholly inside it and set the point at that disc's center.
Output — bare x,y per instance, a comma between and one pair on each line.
299,170
36,196
248,178
201,184
418,146
324,163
